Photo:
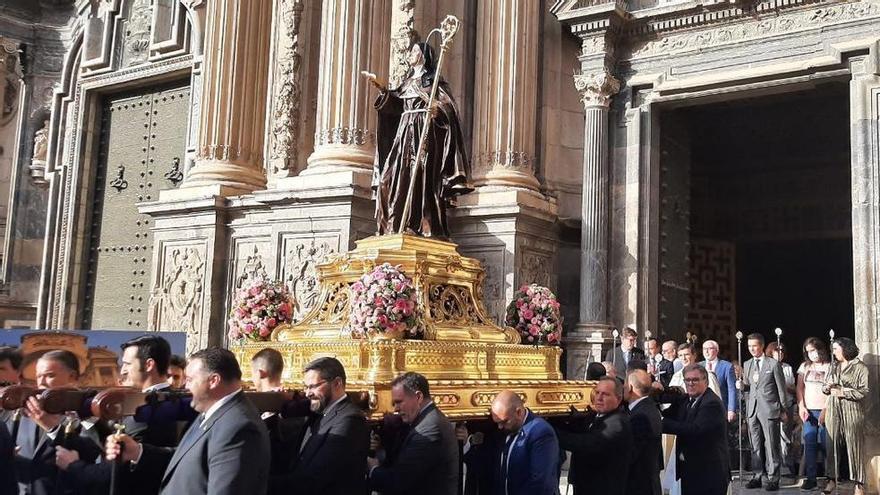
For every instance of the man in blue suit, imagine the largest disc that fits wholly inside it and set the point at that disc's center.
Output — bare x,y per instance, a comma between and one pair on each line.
726,377
528,463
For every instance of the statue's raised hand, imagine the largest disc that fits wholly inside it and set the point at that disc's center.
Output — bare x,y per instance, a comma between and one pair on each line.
380,85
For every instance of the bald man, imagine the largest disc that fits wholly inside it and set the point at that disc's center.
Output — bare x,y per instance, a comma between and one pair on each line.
529,458
647,432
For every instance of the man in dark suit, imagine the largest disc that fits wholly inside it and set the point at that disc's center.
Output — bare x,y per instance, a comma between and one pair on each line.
529,456
627,351
8,485
659,367
600,446
726,377
40,432
145,361
226,449
647,432
332,450
764,384
699,422
267,365
427,461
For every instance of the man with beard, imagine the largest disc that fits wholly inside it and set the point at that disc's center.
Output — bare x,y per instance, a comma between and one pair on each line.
333,448
145,361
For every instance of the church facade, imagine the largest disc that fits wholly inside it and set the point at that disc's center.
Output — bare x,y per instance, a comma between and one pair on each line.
697,166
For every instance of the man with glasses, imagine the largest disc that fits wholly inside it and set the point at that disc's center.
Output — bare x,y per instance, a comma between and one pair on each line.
333,450
700,426
723,371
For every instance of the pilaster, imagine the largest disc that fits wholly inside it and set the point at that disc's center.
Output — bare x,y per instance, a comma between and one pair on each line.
865,159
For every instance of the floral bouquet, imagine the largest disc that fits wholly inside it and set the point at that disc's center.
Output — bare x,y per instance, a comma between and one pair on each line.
534,313
257,308
384,304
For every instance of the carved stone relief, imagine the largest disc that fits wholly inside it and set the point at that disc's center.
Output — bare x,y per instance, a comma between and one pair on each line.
176,304
37,167
299,270
403,34
136,44
250,263
756,29
286,93
535,268
492,262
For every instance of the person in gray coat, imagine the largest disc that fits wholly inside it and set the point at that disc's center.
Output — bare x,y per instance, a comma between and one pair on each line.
226,449
427,461
764,385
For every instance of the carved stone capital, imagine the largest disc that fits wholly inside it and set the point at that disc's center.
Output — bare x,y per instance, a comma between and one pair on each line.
597,89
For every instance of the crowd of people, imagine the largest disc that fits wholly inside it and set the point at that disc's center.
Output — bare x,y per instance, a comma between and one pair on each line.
223,444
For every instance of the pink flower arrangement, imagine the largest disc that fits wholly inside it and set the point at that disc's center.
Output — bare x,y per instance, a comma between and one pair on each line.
534,313
384,301
257,308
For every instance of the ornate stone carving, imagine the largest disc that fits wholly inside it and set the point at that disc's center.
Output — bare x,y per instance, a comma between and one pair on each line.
38,161
403,35
301,274
252,268
119,183
756,29
510,160
137,33
345,135
177,302
286,93
596,89
175,175
535,268
593,45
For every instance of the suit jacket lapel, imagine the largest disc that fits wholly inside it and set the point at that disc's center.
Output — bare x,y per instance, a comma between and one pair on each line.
317,439
181,450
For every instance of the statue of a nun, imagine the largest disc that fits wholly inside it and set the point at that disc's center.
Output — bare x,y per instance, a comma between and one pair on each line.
430,188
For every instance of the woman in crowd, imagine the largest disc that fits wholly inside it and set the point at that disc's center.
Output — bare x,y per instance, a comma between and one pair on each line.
811,377
847,387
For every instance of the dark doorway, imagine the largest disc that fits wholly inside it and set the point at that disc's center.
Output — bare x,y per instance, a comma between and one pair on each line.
768,231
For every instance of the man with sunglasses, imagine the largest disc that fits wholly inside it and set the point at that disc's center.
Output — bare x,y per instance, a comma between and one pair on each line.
332,453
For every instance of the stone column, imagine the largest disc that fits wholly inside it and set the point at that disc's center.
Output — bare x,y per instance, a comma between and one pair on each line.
8,61
865,161
593,327
354,37
229,155
506,93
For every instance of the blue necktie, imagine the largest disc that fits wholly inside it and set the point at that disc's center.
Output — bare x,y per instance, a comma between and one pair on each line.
191,432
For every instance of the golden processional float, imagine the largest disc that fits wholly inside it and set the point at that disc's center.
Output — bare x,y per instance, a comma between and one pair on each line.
466,357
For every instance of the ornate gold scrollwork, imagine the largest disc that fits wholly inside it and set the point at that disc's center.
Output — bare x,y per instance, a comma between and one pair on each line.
452,304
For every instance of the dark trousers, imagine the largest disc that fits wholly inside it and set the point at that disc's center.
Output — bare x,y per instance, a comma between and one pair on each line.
766,448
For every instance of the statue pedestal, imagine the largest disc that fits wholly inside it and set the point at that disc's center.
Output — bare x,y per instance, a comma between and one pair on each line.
467,358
